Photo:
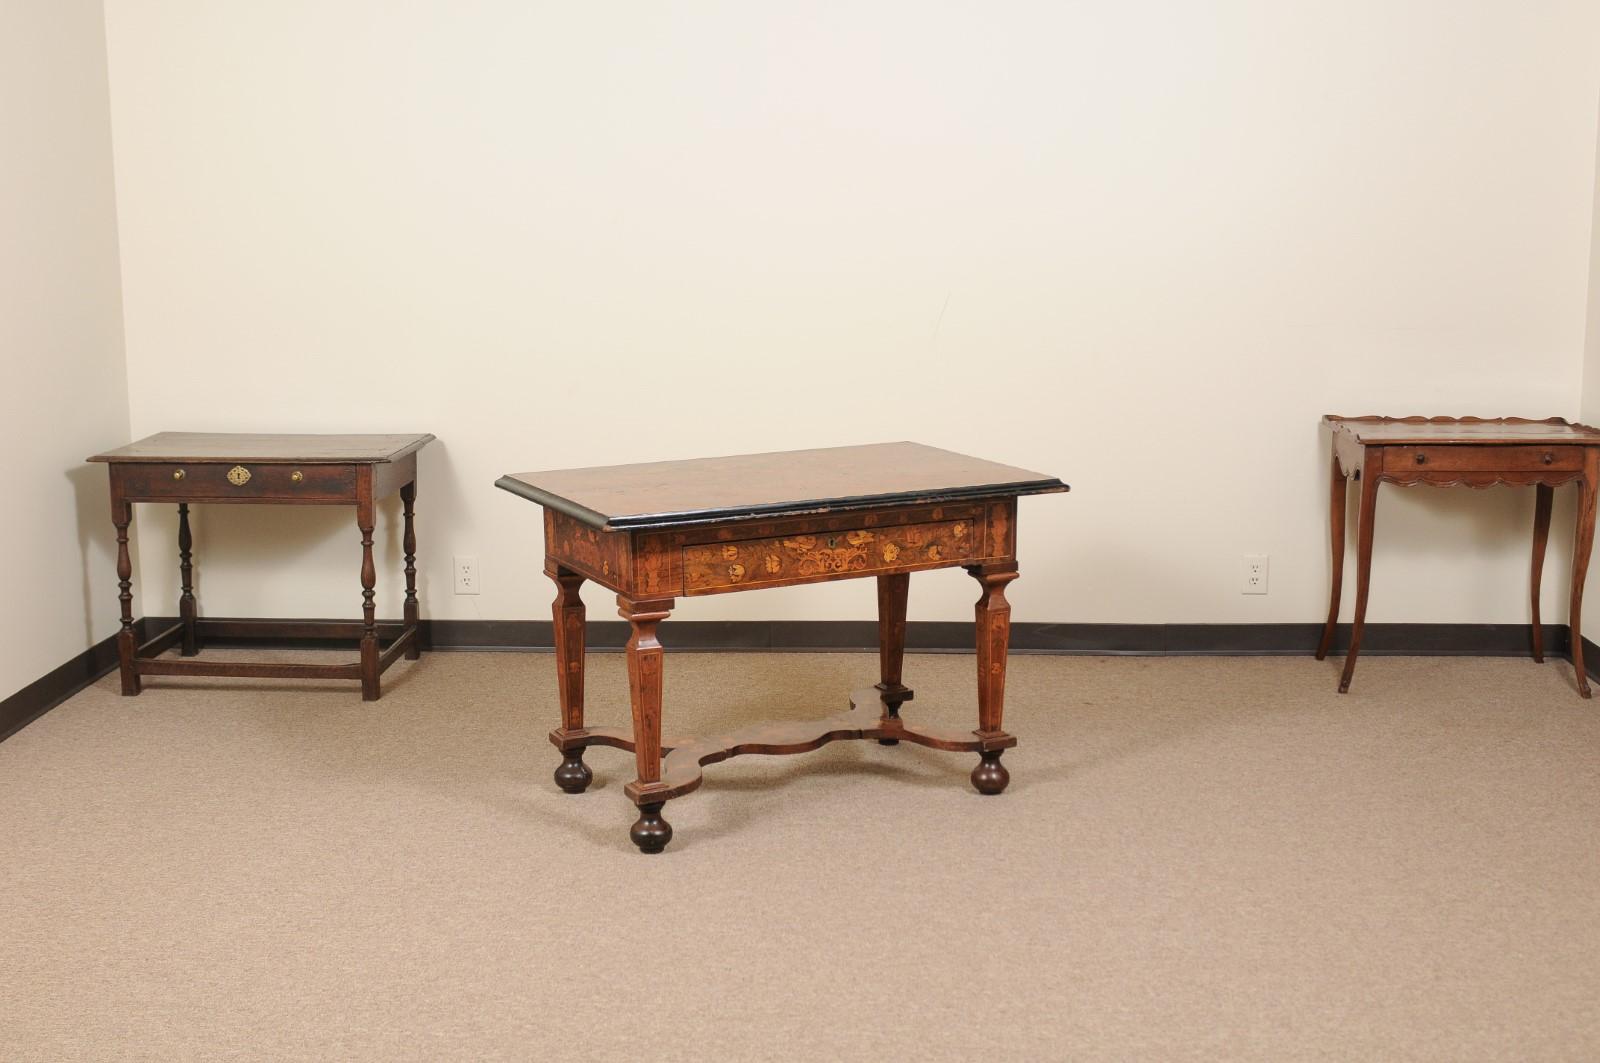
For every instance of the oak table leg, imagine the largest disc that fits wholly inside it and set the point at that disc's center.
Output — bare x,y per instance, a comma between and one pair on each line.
1583,544
408,499
993,615
1544,494
186,603
369,619
650,833
127,641
567,612
892,593
1364,528
1337,515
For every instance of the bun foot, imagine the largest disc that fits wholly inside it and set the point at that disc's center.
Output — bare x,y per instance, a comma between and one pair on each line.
990,776
574,775
651,833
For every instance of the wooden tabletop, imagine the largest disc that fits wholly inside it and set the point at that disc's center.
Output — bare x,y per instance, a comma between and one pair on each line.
662,494
1443,431
267,449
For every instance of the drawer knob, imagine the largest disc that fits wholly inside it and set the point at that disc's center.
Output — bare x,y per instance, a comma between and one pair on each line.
238,476
296,476
1422,459
177,474
1549,457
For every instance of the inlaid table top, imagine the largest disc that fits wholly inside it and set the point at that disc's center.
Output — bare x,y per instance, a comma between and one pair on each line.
1444,431
662,494
266,448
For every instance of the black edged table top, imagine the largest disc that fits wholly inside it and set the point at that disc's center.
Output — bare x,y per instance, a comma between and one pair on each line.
665,494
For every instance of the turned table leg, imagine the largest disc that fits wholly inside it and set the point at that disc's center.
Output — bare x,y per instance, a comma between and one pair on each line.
186,603
1582,546
892,592
408,499
127,641
567,612
1544,495
369,617
1337,515
993,614
1364,529
650,833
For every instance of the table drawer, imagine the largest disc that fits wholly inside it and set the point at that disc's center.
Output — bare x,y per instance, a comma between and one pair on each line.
1406,460
222,481
816,556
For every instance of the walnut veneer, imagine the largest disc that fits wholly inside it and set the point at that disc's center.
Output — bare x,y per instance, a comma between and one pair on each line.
660,531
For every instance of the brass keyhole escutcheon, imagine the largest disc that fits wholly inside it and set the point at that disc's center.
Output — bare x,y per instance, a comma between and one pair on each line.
177,474
296,476
833,540
238,476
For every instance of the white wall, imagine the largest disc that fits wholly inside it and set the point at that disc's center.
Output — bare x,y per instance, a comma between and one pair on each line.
63,391
1142,246
1591,383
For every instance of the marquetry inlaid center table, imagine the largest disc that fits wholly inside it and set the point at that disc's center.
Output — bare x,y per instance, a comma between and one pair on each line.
1470,452
664,530
294,470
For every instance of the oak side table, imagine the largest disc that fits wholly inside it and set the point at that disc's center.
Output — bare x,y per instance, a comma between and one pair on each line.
658,531
1470,452
292,470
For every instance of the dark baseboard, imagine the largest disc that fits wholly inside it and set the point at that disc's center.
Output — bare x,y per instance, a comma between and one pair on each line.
823,636
48,691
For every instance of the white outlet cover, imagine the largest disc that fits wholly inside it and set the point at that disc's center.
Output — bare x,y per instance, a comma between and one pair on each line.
1253,572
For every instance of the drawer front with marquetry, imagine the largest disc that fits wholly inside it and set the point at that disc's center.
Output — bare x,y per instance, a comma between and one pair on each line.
234,482
785,559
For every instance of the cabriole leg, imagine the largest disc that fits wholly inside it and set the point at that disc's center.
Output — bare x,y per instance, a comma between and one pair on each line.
1336,519
1369,501
1544,495
1582,546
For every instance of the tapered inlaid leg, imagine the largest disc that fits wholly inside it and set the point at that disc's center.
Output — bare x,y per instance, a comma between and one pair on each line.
408,499
1544,495
1583,544
127,640
651,833
1337,515
993,615
892,592
186,604
567,612
1364,526
369,615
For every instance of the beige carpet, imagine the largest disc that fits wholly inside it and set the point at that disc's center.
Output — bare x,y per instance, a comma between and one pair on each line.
1197,859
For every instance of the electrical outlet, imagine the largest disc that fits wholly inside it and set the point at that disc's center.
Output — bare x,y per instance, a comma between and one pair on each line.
466,575
1255,574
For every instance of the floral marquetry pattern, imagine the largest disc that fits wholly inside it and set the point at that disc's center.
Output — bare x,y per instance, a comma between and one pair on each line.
795,558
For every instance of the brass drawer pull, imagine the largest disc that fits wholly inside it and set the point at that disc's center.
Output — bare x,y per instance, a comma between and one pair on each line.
296,476
1422,459
238,476
1549,457
177,474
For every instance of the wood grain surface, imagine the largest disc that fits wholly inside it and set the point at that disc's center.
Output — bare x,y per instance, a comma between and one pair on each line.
274,447
672,493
